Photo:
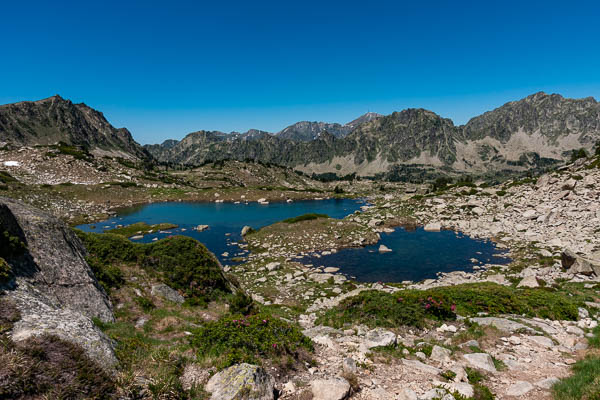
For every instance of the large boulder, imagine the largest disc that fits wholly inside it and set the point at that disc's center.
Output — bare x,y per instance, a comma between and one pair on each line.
330,389
54,262
166,292
379,337
481,361
239,381
579,265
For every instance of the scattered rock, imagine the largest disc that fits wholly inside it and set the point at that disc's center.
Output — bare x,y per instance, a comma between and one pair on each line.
519,388
529,281
433,227
384,249
440,354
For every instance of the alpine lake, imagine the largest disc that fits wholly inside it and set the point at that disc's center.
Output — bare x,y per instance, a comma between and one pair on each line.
415,254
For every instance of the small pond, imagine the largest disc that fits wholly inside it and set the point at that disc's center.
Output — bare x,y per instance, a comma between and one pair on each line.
416,255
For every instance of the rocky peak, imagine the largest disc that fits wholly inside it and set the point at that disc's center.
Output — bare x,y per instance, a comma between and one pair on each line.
370,116
54,119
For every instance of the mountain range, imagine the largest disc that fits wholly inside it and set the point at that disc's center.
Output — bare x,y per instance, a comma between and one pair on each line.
538,131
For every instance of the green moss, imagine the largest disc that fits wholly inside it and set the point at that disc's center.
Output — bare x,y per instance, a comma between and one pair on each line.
181,262
305,217
252,339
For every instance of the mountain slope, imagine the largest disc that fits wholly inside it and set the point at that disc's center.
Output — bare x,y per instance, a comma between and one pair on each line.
55,119
536,132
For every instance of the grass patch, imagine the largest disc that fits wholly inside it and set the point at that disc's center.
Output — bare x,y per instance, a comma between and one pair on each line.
141,228
412,308
253,339
181,262
305,217
583,384
48,367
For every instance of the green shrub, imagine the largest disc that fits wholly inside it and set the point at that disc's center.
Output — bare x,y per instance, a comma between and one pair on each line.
582,384
109,276
305,217
241,303
380,309
74,151
412,308
146,304
473,376
181,262
252,339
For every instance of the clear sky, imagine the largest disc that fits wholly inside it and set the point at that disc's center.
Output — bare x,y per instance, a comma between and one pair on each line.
164,69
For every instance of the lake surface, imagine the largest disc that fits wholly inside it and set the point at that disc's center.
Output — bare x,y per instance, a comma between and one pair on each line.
415,255
225,220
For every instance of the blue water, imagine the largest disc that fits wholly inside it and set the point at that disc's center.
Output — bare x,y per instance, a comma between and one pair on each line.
416,255
225,220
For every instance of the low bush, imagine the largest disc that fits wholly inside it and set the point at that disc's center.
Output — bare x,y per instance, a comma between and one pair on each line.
412,308
181,262
380,309
253,339
305,217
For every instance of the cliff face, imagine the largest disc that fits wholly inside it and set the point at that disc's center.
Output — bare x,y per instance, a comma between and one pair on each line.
55,119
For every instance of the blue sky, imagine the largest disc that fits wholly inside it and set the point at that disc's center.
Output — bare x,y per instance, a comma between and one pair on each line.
164,69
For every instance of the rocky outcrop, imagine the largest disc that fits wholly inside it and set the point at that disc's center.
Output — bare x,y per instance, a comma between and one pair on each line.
51,284
54,263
